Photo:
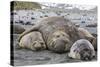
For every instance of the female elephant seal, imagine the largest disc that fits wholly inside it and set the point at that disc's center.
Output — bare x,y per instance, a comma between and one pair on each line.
58,33
82,49
33,41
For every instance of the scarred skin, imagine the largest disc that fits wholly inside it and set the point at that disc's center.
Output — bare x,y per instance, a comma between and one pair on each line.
58,33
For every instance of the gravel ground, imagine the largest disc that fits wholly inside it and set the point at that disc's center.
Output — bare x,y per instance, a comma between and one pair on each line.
29,57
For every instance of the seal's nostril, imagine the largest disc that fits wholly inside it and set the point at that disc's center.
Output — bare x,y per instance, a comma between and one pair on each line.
86,58
38,48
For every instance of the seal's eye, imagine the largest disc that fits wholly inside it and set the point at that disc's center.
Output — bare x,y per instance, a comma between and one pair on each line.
58,36
63,35
41,43
34,43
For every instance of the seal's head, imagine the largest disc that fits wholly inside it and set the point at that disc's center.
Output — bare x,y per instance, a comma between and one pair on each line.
38,45
86,55
59,41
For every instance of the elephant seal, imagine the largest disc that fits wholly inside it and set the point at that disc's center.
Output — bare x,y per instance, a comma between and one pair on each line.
83,33
18,29
33,41
58,33
82,49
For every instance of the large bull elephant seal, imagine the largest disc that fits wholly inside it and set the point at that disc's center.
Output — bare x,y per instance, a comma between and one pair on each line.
82,49
33,41
58,33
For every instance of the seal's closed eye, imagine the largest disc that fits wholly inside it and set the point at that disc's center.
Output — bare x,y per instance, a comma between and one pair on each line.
57,36
41,42
34,43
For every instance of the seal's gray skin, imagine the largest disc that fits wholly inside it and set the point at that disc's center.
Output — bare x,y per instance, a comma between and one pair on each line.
33,41
58,33
83,33
18,29
82,49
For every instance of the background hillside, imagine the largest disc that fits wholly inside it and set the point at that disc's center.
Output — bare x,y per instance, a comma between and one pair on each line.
19,5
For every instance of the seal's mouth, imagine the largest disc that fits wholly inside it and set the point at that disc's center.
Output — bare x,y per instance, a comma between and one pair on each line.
38,45
59,45
86,55
86,58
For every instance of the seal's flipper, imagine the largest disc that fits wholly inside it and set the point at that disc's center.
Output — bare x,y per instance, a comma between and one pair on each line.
34,28
17,46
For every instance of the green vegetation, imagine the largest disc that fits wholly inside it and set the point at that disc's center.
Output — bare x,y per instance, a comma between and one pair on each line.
20,5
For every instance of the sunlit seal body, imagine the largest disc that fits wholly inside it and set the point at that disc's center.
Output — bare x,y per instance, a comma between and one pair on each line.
58,33
82,49
33,41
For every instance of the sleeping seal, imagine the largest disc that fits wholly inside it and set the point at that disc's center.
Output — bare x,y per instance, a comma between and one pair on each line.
58,33
33,41
82,49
